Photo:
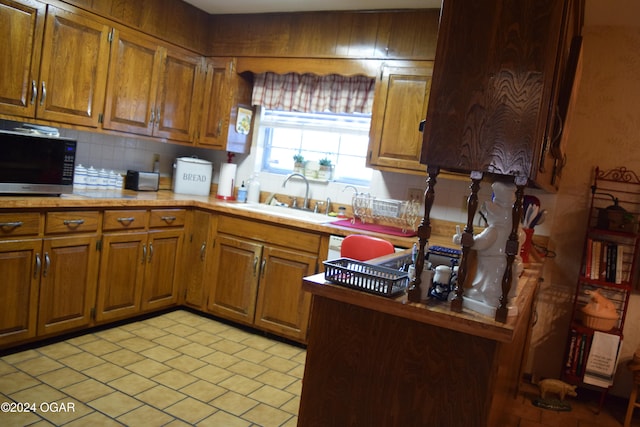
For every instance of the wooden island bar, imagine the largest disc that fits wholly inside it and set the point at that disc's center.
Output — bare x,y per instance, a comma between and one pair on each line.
376,361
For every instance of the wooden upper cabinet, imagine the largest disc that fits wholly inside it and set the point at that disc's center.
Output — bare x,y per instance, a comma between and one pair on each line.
177,95
133,80
65,80
400,103
224,92
73,72
216,101
151,88
21,30
494,85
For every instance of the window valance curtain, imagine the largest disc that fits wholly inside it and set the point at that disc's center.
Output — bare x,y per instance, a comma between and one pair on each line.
310,93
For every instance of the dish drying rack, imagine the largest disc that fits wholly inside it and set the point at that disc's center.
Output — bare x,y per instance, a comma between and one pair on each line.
405,214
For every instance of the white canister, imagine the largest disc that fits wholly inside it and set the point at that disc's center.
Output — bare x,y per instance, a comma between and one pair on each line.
80,177
192,176
442,275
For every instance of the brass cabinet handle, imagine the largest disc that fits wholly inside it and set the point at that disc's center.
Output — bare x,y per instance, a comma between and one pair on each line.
44,93
255,266
262,267
150,252
14,224
168,218
126,221
34,91
38,266
47,263
73,222
144,253
203,250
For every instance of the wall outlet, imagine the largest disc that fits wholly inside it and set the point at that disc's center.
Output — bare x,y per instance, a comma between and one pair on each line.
416,194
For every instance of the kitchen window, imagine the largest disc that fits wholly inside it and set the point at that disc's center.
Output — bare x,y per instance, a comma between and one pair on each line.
342,138
316,117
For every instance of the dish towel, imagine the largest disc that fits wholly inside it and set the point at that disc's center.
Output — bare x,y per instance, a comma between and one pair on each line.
602,360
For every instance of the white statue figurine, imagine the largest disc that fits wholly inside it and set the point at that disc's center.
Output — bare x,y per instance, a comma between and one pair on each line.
490,246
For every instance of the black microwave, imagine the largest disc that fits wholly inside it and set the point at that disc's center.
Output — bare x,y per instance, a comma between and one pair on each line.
36,164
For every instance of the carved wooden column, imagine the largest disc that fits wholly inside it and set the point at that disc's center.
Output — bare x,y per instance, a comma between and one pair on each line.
467,242
511,251
424,232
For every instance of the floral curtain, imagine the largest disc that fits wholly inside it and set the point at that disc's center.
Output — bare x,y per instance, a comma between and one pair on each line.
310,93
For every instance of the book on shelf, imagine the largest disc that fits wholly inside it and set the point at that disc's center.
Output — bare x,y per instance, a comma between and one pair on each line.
602,359
595,259
572,349
619,264
608,261
588,255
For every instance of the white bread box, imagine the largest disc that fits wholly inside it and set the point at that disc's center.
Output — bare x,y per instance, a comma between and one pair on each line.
192,176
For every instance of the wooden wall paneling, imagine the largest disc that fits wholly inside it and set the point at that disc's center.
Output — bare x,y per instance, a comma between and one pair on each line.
362,29
318,34
173,21
247,35
413,35
407,34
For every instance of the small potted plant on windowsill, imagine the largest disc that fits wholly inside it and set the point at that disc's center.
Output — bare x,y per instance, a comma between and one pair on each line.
298,163
325,171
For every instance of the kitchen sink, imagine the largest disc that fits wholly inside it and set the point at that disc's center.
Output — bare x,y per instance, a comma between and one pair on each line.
285,212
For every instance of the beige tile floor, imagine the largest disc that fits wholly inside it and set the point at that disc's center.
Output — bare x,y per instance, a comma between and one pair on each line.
175,369
181,369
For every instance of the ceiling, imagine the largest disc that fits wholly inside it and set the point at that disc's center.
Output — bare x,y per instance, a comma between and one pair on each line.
266,6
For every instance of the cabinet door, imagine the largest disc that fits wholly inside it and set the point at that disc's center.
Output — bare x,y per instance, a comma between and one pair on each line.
233,291
401,101
492,84
177,98
195,257
73,73
214,122
20,263
161,272
132,86
122,265
283,307
21,29
68,283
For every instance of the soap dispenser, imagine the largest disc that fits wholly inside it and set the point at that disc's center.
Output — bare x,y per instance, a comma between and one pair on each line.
242,193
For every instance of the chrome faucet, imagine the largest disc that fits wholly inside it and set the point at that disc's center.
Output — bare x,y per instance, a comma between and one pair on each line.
350,186
305,203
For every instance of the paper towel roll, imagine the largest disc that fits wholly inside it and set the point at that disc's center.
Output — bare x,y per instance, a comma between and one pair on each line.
227,181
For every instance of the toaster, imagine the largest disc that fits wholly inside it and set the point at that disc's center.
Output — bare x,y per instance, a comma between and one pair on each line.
142,181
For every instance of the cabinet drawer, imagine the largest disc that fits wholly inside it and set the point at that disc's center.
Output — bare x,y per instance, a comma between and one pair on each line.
167,218
71,221
19,224
124,219
268,233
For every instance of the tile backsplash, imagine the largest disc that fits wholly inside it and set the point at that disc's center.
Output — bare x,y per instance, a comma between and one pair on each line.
120,153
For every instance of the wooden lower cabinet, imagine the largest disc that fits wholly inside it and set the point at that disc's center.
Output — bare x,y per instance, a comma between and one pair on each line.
162,267
282,306
197,258
68,283
235,284
259,284
122,265
19,260
138,273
